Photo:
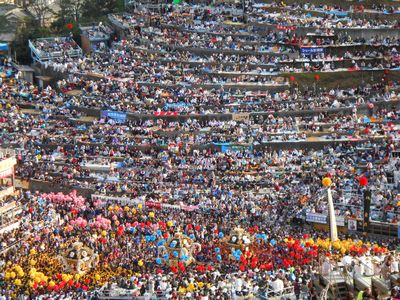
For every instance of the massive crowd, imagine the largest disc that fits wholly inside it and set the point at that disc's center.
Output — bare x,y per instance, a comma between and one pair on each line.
200,161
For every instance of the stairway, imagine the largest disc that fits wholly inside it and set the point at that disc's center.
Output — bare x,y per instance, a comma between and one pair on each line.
338,291
381,285
362,282
337,285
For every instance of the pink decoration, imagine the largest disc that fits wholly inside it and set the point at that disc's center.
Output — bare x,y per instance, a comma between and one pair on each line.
72,199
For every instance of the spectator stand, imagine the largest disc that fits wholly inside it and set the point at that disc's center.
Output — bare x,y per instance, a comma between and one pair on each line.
7,164
123,23
8,206
50,49
95,38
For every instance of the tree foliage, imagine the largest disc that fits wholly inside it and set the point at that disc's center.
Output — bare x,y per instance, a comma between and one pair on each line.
92,9
41,9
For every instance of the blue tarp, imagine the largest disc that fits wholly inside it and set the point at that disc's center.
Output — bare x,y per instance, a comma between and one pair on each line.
3,47
233,147
385,12
337,13
366,120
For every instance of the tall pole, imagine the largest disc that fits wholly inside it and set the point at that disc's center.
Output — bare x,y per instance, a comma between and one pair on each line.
332,217
326,182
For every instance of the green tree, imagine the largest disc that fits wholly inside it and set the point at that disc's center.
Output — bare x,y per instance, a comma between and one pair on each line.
93,9
27,30
41,10
69,10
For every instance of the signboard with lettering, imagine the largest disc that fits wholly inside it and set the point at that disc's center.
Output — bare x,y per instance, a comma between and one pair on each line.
241,117
316,218
340,221
323,219
114,115
312,50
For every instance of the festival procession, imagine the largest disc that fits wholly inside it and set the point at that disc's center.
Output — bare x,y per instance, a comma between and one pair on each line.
200,150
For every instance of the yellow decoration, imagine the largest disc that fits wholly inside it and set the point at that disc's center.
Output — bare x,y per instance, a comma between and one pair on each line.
17,282
191,287
140,263
97,277
140,205
13,275
326,182
134,211
104,233
52,283
151,214
77,277
66,277
127,208
18,268
169,223
32,252
32,262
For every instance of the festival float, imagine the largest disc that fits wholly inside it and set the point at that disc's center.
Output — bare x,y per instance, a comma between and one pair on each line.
178,250
237,242
79,259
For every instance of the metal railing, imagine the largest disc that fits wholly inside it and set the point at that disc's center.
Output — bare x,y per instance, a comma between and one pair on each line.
41,55
285,292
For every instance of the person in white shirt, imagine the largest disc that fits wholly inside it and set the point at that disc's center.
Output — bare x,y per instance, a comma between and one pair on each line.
394,267
347,260
358,268
238,284
369,266
326,267
277,286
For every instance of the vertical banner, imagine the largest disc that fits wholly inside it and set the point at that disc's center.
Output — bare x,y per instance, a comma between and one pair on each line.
367,207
